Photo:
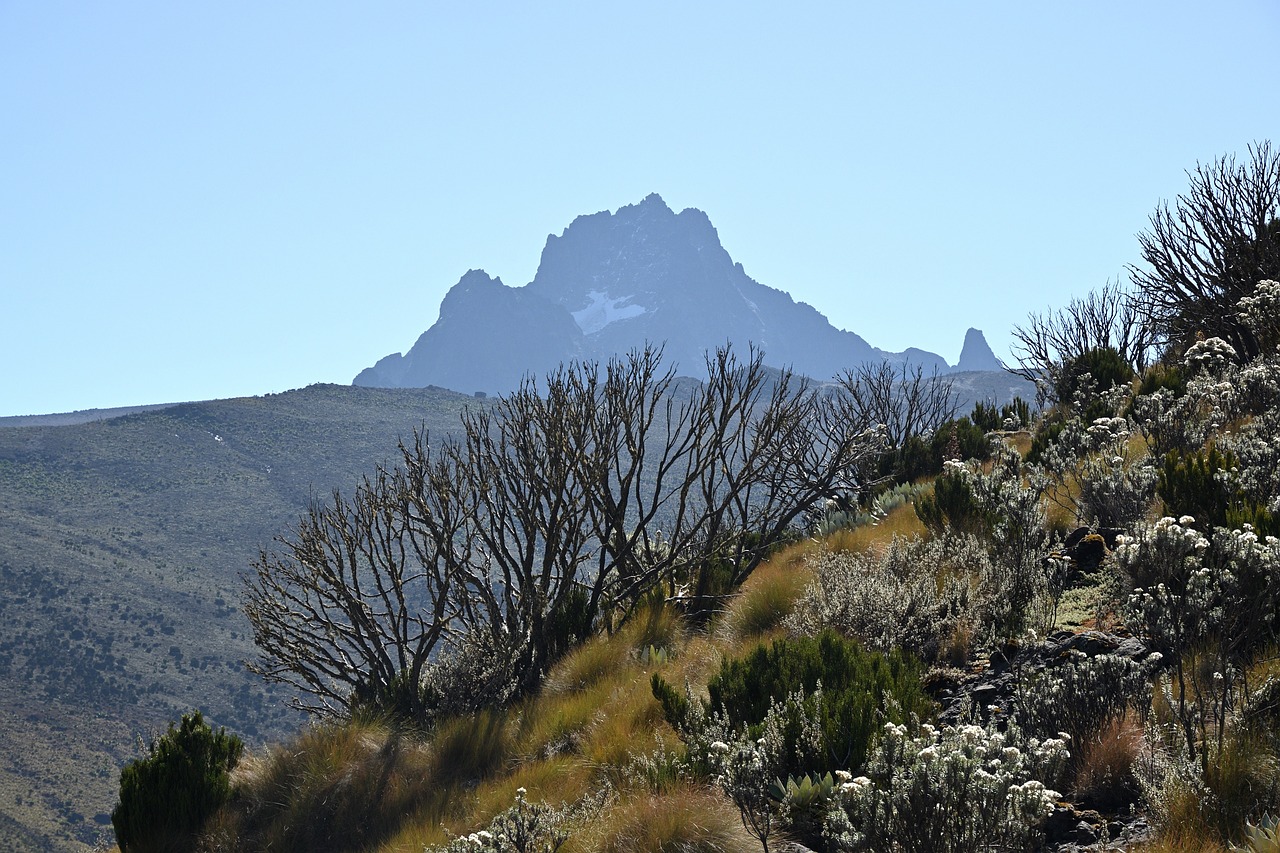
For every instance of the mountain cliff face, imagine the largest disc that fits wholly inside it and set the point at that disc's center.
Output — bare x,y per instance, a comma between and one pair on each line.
976,355
488,336
612,282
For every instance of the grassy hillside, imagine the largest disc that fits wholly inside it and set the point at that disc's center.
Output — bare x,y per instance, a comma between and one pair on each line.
121,546
594,733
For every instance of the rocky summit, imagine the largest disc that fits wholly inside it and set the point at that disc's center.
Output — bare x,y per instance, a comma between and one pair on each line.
612,282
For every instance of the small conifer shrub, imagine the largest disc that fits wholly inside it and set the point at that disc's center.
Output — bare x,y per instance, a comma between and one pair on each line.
165,797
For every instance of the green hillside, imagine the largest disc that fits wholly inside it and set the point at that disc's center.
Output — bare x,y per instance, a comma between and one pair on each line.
121,546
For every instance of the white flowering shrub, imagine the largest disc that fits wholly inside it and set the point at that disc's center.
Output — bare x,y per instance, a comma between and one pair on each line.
1081,695
1260,313
1258,385
475,673
1177,597
744,772
1000,502
1215,595
1016,537
1211,355
746,768
948,790
913,596
1256,449
1165,424
1189,586
524,828
1116,481
1212,402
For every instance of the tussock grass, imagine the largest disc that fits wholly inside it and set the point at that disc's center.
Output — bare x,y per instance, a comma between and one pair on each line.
556,781
655,623
900,521
769,595
555,724
467,749
626,725
336,788
687,820
1244,781
586,666
1182,845
1060,505
1104,764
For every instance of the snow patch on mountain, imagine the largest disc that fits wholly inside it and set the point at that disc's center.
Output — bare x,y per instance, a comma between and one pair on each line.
603,310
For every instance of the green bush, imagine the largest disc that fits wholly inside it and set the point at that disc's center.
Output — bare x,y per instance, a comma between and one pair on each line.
569,622
962,438
1191,484
1160,376
860,690
1200,484
989,417
165,797
1046,435
985,416
952,506
1103,368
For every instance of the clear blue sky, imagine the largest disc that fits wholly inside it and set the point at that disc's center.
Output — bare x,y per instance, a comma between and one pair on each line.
204,200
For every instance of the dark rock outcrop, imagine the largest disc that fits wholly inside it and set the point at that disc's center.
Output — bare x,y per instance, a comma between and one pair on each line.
990,693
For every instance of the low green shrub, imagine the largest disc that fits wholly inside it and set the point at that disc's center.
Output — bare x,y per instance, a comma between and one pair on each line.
1193,484
166,797
1046,435
1093,371
989,417
960,438
857,688
1203,485
952,507
1160,376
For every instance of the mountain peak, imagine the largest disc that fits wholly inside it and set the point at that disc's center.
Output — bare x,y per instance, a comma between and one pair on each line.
976,354
615,281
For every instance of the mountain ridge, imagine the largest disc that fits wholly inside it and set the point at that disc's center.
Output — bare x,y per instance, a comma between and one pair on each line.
611,282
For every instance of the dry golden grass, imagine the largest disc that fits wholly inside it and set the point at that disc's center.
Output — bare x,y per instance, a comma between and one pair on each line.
687,820
555,724
584,667
769,595
626,725
1104,764
1190,844
556,781
468,749
1060,504
336,788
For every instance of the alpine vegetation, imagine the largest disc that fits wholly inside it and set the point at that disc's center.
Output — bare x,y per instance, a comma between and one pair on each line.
750,612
